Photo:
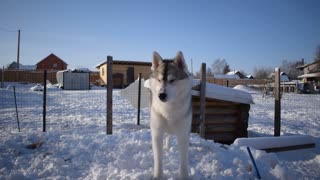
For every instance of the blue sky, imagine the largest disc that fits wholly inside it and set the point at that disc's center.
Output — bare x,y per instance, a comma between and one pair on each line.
247,33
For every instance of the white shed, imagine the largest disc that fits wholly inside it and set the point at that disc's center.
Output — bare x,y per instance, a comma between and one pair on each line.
77,79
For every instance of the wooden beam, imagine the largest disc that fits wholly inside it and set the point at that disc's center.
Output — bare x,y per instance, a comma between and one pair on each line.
290,148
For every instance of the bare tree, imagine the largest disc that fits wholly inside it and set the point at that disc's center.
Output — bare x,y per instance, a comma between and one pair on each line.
226,69
220,66
290,68
262,72
317,54
209,72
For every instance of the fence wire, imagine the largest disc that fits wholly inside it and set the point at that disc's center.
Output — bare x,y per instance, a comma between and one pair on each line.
69,110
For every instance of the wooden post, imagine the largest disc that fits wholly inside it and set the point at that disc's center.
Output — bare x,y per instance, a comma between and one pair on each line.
203,100
2,78
109,94
139,99
44,101
277,103
15,103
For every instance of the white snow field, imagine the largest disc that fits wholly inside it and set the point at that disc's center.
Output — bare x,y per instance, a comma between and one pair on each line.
76,146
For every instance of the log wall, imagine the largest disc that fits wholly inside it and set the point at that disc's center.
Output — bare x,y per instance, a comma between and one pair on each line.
224,121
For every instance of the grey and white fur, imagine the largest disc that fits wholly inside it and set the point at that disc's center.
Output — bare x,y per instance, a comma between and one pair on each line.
171,109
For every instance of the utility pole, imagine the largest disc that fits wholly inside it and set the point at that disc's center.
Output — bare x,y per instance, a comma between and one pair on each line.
192,67
18,53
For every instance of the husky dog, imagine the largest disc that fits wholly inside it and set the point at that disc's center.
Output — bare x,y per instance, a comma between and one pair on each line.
171,110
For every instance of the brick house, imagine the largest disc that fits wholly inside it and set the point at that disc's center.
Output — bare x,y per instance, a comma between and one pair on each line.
51,62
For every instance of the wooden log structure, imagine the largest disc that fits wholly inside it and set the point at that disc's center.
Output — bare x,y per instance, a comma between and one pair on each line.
224,121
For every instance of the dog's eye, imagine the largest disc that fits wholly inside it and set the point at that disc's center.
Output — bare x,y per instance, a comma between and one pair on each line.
159,80
172,80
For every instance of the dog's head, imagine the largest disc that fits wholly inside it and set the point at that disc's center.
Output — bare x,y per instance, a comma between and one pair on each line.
167,75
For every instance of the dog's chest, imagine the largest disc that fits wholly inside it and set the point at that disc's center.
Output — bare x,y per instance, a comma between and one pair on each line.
172,112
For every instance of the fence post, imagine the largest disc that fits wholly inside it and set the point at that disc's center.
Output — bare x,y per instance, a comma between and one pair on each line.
277,103
109,94
203,100
2,78
44,100
139,99
15,103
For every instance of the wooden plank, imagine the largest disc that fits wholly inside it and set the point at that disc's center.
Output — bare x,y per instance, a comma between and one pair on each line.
217,111
290,148
217,119
210,101
221,129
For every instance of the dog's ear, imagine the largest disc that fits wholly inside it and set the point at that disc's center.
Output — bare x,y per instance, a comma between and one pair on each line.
157,60
179,60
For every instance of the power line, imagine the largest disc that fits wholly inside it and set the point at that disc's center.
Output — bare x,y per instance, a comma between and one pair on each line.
7,30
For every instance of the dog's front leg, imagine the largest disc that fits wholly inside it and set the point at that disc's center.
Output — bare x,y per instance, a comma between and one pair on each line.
157,146
183,143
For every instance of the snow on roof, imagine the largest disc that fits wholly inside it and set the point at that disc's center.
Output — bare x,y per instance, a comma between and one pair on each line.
283,76
132,89
215,91
309,75
219,92
226,76
246,89
232,72
249,76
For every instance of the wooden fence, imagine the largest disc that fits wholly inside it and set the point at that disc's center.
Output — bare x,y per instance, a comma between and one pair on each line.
36,76
27,76
234,82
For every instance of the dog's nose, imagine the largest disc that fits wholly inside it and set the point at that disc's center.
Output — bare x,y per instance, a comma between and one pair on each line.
163,97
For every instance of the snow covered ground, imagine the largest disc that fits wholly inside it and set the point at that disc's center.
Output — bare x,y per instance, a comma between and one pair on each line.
75,145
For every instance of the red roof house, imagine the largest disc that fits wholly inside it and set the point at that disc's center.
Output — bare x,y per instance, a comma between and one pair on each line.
52,62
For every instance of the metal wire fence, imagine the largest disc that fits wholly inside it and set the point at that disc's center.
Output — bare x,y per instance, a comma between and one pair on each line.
56,109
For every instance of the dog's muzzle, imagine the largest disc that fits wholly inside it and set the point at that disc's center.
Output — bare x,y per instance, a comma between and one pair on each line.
163,97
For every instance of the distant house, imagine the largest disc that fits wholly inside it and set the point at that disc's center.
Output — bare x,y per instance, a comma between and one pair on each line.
52,62
311,72
230,75
237,73
310,77
250,77
14,66
283,77
124,72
